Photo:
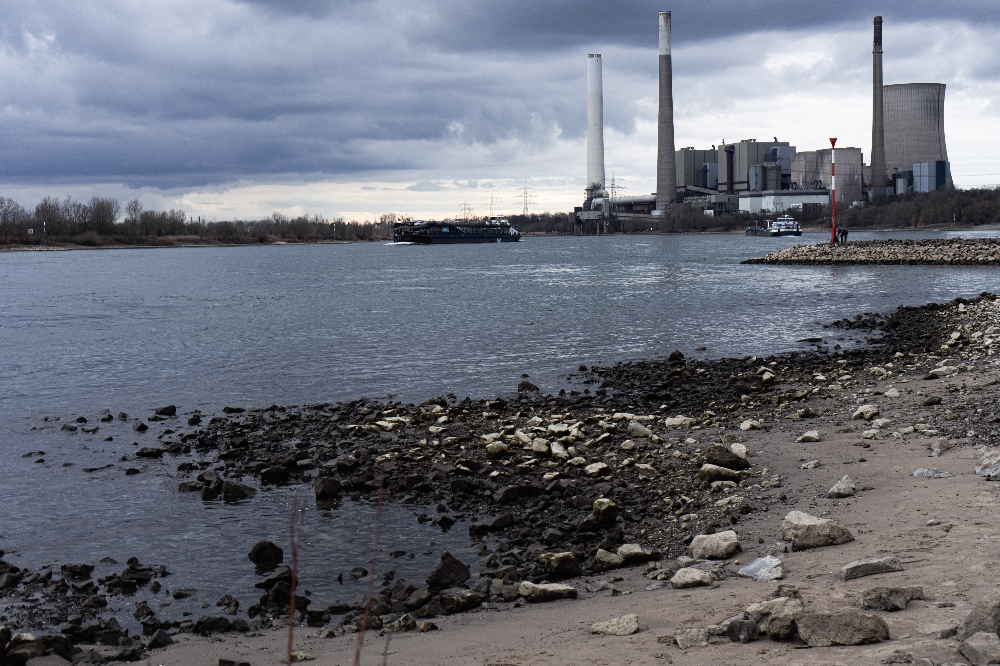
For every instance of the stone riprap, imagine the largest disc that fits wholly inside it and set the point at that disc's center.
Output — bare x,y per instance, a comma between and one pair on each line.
950,251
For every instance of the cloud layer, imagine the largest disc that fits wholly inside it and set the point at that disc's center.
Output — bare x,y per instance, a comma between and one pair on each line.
236,108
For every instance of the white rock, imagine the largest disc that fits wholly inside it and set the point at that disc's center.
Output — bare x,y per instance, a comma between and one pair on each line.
625,625
749,424
880,423
540,446
546,592
812,464
595,469
688,577
866,412
636,429
869,434
739,449
679,421
577,461
809,436
763,569
718,546
891,393
558,451
843,488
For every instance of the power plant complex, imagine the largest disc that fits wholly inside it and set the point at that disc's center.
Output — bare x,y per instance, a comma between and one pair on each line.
772,177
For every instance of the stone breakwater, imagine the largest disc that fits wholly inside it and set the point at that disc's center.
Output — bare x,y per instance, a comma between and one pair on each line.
639,462
935,251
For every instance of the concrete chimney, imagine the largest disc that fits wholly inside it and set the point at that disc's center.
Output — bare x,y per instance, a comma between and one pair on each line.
878,110
666,166
595,123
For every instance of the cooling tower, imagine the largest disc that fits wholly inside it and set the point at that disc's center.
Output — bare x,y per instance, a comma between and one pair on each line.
914,124
666,167
595,123
878,108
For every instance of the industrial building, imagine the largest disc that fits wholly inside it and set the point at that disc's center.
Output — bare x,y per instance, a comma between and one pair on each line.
753,177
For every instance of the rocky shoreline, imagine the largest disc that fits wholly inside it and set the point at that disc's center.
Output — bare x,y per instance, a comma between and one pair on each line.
638,462
931,251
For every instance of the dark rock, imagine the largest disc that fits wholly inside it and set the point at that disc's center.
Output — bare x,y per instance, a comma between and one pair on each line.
427,626
450,572
282,575
326,489
234,492
139,426
417,599
232,410
8,580
457,599
346,463
21,651
985,617
59,645
560,565
526,387
742,631
194,420
357,573
266,554
184,593
718,454
160,639
211,491
277,475
232,662
211,625
432,608
931,401
169,410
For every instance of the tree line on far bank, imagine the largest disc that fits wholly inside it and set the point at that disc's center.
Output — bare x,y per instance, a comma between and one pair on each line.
101,221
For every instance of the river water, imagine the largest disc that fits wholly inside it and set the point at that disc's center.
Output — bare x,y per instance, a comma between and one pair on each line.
129,330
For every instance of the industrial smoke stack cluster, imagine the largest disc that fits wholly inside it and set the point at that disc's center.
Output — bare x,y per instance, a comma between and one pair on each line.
666,166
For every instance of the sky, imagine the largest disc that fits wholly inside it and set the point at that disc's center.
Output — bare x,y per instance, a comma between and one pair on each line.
355,108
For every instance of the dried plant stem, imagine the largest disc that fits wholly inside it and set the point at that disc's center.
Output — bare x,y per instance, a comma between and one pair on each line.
298,521
371,574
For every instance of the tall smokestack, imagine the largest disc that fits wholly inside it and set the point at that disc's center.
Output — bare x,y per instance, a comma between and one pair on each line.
878,110
595,123
666,167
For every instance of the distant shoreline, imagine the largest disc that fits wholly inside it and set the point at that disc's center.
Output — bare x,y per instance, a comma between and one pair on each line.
169,244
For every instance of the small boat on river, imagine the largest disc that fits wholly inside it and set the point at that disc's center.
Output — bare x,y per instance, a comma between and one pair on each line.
783,226
494,229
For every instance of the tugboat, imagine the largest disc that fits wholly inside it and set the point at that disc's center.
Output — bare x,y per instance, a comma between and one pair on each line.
783,226
494,229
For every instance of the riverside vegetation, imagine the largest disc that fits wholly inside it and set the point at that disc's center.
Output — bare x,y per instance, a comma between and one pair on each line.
638,464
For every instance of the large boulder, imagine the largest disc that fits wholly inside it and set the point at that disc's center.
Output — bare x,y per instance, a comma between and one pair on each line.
633,553
984,617
450,572
235,492
765,612
805,531
690,577
876,565
533,593
718,546
983,647
211,625
23,647
718,454
823,629
266,554
560,565
888,598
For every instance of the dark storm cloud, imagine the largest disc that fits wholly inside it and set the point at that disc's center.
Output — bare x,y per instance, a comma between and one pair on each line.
210,91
